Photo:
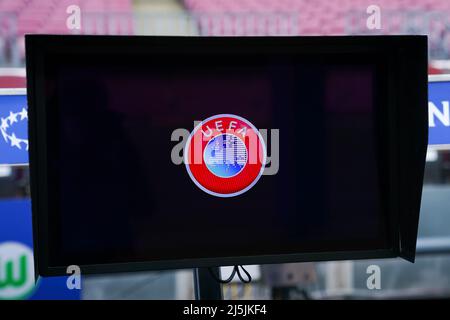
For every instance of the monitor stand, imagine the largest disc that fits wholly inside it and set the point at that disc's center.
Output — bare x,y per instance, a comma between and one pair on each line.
205,286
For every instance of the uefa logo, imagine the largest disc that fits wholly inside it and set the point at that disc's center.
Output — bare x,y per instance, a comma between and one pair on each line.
225,155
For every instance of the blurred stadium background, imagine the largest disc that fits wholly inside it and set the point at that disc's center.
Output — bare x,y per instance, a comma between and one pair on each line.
428,277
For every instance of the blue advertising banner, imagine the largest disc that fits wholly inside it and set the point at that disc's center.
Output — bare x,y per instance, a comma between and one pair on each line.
13,126
439,112
16,258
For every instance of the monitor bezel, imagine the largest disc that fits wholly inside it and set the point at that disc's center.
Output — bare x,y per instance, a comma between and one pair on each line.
37,46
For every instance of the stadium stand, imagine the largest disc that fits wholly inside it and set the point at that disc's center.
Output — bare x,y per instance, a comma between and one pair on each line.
49,16
20,17
222,18
324,17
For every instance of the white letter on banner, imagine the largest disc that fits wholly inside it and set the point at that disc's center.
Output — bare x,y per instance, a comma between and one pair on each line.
444,116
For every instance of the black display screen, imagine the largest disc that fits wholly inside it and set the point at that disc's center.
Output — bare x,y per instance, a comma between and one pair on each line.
118,192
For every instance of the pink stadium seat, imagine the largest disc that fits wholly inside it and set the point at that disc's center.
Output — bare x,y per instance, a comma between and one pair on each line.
12,6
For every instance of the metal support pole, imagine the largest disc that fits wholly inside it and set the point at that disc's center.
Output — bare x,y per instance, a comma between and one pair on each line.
206,287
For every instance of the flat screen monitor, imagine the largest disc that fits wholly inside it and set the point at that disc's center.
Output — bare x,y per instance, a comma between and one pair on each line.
178,152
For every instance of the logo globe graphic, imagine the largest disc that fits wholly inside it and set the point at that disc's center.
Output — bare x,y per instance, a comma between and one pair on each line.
225,155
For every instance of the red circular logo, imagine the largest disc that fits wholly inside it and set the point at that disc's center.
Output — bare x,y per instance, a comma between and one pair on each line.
225,155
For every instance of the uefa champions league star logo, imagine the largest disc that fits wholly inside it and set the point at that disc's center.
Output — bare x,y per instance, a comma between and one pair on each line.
7,130
225,155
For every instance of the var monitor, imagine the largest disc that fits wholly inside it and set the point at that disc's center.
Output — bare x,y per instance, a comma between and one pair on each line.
177,152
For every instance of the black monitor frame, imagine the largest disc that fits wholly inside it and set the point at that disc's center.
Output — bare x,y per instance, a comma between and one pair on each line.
407,143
